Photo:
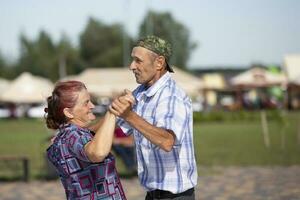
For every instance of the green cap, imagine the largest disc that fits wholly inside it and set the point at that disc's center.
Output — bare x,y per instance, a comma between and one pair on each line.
158,46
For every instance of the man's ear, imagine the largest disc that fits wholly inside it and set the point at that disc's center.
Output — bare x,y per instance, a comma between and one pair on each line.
68,113
160,62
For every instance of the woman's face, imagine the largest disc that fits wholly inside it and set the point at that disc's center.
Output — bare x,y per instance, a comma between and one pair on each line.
82,113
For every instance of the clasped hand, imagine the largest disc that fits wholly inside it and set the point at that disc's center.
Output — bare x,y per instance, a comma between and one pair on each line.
122,105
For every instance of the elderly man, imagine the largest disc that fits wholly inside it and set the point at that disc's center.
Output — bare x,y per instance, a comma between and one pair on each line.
161,122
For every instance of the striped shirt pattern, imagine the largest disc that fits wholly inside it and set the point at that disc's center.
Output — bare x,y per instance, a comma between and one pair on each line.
165,105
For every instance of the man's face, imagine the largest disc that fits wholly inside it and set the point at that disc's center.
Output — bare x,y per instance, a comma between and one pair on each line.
143,66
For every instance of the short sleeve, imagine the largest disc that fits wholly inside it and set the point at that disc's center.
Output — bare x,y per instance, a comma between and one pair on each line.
77,139
172,113
126,128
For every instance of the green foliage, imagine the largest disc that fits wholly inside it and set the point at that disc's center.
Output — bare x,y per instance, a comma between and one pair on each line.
224,116
70,55
37,56
6,70
2,62
166,27
42,57
3,65
101,45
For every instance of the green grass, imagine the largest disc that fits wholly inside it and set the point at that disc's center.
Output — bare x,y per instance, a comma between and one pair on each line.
23,137
227,143
242,144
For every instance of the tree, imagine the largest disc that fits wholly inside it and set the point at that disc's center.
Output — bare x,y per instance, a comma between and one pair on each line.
38,57
165,26
2,64
7,70
101,45
69,61
44,58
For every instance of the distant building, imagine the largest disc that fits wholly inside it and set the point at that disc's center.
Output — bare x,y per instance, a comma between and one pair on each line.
292,70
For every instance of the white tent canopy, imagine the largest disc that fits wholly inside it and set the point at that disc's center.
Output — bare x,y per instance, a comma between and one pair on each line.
105,82
27,88
258,77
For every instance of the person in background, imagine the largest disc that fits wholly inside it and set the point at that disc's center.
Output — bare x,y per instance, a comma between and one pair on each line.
123,146
81,155
161,121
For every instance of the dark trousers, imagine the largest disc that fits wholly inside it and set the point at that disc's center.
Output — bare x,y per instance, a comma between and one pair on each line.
161,194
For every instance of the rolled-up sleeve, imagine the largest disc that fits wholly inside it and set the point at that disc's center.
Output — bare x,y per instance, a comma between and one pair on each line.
126,128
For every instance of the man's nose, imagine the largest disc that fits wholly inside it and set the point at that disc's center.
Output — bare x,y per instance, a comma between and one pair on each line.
132,66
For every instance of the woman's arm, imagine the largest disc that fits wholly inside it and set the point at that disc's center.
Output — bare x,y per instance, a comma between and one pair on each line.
99,147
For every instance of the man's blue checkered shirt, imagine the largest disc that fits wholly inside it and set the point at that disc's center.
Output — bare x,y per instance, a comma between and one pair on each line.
165,105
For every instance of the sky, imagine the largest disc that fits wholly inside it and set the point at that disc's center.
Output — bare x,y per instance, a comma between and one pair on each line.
229,33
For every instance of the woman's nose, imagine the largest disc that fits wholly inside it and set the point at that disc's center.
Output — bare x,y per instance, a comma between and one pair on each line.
92,105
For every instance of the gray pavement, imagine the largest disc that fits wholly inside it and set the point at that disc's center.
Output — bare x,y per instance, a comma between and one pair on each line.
217,183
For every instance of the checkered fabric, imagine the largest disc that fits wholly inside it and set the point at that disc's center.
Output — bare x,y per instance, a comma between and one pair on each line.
81,178
166,106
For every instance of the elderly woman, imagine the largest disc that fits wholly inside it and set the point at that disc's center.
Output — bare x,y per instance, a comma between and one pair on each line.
80,155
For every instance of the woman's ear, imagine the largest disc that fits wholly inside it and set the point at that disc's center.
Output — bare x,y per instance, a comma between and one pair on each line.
67,113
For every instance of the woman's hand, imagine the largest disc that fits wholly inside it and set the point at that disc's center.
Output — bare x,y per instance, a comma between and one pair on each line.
122,105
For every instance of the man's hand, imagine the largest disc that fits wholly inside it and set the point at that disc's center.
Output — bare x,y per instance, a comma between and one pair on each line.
129,97
122,105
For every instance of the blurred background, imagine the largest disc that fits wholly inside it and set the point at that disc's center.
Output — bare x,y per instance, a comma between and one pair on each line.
239,61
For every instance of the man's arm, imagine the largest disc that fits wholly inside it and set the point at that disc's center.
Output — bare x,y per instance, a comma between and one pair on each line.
164,139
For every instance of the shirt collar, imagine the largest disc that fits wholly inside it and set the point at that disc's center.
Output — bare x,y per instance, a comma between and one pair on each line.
72,126
156,86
